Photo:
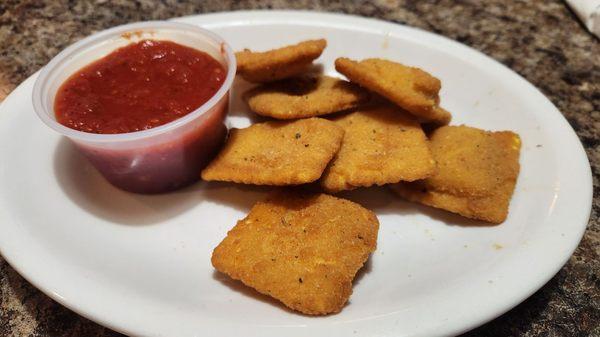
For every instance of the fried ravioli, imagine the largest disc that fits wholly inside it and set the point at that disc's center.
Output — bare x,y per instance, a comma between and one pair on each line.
410,88
277,153
477,173
303,97
278,63
381,145
302,249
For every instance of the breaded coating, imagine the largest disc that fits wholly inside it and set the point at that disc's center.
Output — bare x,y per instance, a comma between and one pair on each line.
471,161
277,153
381,145
476,176
278,63
302,249
302,97
410,88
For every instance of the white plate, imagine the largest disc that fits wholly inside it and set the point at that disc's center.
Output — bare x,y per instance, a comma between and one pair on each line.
141,264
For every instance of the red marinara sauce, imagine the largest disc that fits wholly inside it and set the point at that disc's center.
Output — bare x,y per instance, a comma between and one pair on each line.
138,87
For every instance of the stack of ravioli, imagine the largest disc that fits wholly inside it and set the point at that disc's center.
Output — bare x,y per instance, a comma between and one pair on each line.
304,248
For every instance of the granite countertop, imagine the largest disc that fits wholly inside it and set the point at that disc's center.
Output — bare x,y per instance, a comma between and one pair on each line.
540,39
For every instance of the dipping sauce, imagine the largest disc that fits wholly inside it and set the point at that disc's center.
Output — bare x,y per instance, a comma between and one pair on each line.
138,87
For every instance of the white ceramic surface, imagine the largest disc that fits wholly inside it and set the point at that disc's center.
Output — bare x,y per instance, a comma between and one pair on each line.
141,264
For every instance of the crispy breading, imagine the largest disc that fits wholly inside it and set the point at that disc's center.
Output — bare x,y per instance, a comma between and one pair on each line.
307,96
476,176
492,208
278,63
411,88
381,145
471,161
277,153
302,249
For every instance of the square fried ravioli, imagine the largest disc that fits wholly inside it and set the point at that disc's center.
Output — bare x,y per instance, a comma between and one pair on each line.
307,96
278,63
277,153
381,145
302,249
410,88
477,173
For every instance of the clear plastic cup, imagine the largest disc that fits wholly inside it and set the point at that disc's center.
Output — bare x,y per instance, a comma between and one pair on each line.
156,160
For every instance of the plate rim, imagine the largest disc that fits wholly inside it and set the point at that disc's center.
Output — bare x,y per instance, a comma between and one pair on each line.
302,16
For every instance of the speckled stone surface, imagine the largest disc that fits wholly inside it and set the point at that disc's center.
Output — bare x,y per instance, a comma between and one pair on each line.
541,40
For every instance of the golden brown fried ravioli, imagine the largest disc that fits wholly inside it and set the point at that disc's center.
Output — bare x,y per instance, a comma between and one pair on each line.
412,89
302,249
277,153
278,63
472,161
381,145
302,97
477,173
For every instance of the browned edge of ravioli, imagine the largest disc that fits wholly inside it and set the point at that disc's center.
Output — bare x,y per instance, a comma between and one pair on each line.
492,208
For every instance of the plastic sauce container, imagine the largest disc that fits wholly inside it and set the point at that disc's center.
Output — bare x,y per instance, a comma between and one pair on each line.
156,160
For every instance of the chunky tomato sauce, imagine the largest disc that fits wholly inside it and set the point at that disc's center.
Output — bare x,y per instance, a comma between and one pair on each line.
138,87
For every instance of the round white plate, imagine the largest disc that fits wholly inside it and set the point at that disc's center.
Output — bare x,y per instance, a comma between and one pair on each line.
141,264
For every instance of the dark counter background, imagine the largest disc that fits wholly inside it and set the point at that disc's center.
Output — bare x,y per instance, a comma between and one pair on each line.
541,40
